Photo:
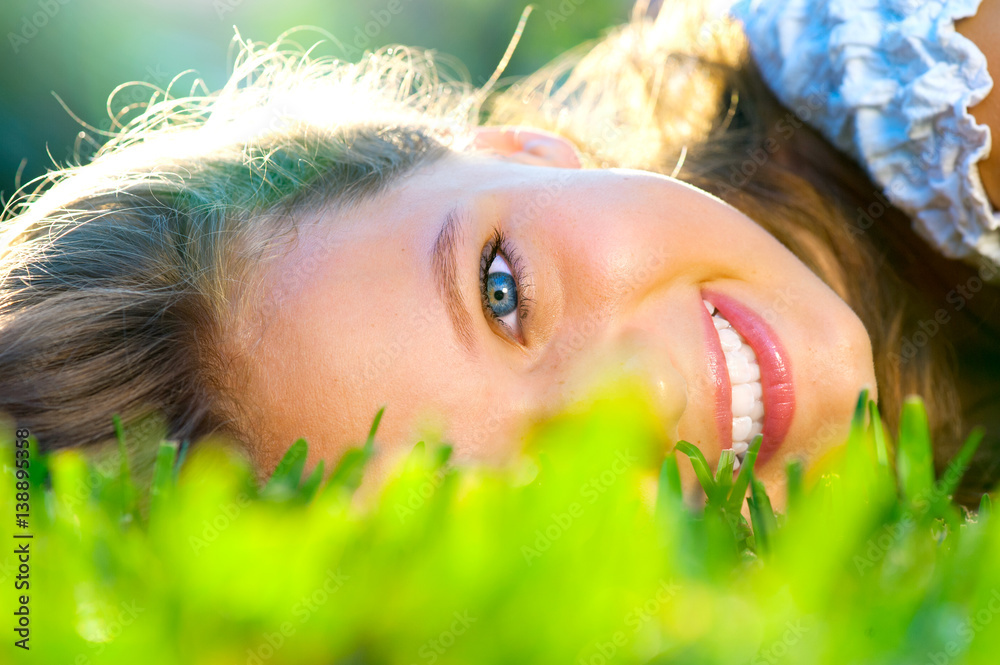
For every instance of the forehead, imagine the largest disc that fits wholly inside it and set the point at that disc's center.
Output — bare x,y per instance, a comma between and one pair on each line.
350,312
405,217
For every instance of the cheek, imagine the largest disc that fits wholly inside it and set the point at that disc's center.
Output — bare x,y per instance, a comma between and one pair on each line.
833,367
490,436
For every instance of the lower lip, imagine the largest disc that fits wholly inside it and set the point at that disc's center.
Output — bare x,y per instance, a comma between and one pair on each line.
718,374
775,373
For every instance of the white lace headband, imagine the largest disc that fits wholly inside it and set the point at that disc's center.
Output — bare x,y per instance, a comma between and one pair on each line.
897,81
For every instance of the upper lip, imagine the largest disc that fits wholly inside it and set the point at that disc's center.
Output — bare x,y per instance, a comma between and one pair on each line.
775,373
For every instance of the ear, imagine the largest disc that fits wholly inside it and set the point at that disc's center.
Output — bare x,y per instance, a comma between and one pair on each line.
527,146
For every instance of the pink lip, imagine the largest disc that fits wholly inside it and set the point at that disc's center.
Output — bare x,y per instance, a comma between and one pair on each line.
775,374
718,375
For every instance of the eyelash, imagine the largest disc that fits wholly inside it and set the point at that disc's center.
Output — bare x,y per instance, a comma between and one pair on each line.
499,244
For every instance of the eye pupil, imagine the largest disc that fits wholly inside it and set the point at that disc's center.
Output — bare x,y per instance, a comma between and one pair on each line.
503,293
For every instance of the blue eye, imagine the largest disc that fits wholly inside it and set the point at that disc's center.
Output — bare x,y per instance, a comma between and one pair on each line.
503,300
501,291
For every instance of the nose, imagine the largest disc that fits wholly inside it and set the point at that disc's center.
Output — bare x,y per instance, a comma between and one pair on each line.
620,234
621,285
616,355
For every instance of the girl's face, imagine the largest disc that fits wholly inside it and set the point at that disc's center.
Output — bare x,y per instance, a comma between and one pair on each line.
497,285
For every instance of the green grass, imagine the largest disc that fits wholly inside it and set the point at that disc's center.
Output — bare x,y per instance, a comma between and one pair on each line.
582,551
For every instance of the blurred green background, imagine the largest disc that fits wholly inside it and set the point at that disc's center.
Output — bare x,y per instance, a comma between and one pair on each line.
81,50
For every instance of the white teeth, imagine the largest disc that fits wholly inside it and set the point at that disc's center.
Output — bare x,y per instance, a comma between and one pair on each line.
730,340
709,306
736,463
739,367
743,402
744,378
741,428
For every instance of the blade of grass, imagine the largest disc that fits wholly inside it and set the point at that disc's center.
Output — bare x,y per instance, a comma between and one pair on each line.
311,483
443,454
739,489
881,449
960,463
127,491
724,474
701,469
761,515
793,476
669,492
349,471
181,456
370,441
163,473
857,432
38,467
288,473
914,461
416,455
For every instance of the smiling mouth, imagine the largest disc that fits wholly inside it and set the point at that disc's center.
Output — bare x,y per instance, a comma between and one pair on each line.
753,380
746,392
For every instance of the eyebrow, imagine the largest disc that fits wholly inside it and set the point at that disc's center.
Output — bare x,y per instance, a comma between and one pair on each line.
444,263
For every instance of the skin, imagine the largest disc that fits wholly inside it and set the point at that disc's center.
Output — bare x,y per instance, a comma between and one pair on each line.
615,261
983,29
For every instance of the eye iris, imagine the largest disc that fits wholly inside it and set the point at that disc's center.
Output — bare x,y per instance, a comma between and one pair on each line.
501,293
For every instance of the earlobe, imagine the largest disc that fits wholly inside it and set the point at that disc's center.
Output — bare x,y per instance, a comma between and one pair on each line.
527,146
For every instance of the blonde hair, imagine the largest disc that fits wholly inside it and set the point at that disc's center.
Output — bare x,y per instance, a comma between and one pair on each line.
121,281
